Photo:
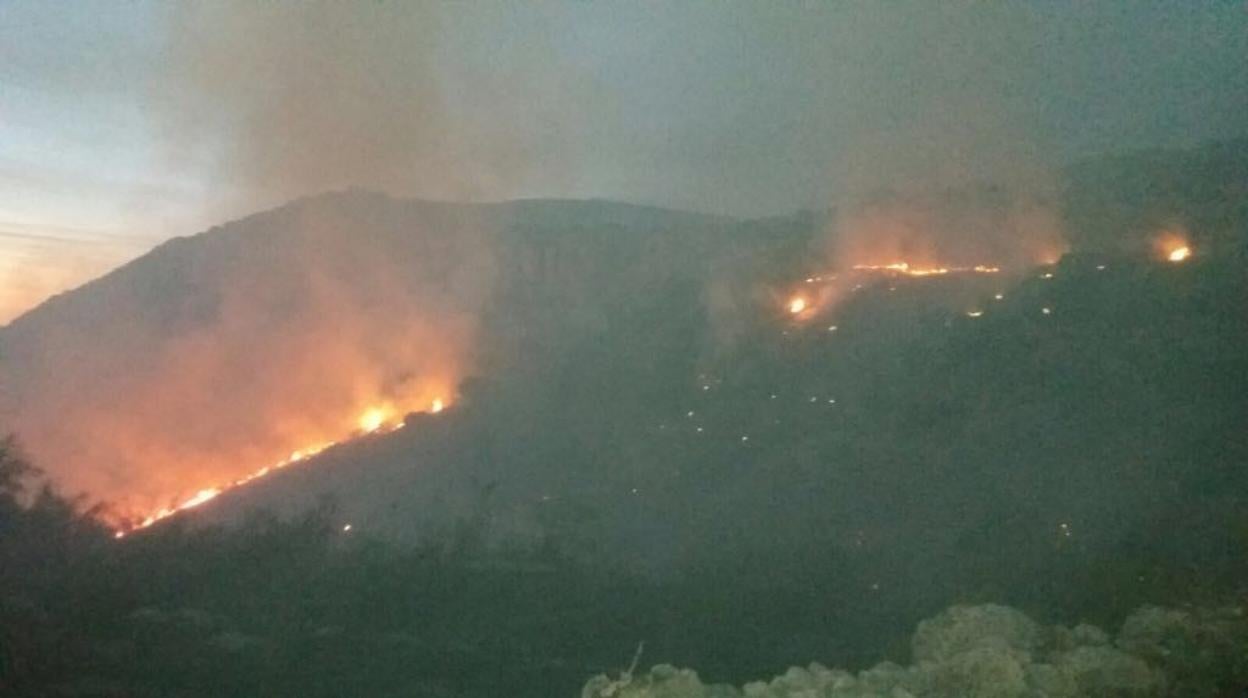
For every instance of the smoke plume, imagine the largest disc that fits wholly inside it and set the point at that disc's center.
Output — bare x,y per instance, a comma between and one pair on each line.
213,357
286,99
946,167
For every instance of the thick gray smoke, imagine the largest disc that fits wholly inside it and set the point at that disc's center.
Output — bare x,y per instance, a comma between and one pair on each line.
279,100
738,108
947,166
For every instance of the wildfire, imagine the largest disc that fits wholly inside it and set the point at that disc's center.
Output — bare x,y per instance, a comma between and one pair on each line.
909,270
804,303
1173,247
371,420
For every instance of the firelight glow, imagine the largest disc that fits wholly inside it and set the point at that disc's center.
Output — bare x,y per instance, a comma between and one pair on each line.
797,305
371,421
910,270
1172,246
1179,254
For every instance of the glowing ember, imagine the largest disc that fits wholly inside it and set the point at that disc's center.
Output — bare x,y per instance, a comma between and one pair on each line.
1179,254
437,406
797,305
1172,246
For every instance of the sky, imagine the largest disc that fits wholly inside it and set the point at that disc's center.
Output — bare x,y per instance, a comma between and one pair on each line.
125,123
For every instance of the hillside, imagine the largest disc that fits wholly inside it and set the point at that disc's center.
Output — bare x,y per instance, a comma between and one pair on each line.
524,316
642,438
912,435
301,319
1113,203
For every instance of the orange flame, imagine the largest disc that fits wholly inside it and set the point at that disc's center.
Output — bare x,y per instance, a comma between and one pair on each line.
907,269
372,420
797,305
1173,246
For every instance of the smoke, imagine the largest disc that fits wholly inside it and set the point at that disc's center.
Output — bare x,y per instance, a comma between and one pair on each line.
211,358
917,122
205,361
945,167
993,227
739,108
286,99
929,146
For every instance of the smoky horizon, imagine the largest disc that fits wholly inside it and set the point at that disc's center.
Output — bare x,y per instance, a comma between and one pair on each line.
700,349
166,120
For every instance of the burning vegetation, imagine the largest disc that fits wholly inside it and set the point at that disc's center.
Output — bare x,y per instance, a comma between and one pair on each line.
908,270
246,350
1172,246
339,341
373,420
821,291
842,427
935,231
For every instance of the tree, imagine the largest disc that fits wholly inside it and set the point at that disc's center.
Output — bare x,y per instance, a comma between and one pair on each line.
15,472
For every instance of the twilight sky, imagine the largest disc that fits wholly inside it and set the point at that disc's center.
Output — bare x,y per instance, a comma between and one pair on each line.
124,123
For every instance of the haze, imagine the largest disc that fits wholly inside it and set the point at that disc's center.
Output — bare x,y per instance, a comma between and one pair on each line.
623,349
124,124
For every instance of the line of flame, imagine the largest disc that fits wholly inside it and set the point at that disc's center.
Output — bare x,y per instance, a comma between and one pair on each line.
906,268
298,456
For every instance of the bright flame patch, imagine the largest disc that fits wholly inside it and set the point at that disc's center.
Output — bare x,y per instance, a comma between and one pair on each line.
909,270
371,421
1172,246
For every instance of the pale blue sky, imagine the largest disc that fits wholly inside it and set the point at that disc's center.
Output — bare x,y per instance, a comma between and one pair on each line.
123,123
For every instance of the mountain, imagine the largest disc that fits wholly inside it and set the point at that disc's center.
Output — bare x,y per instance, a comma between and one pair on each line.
1117,201
626,384
216,354
1086,413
